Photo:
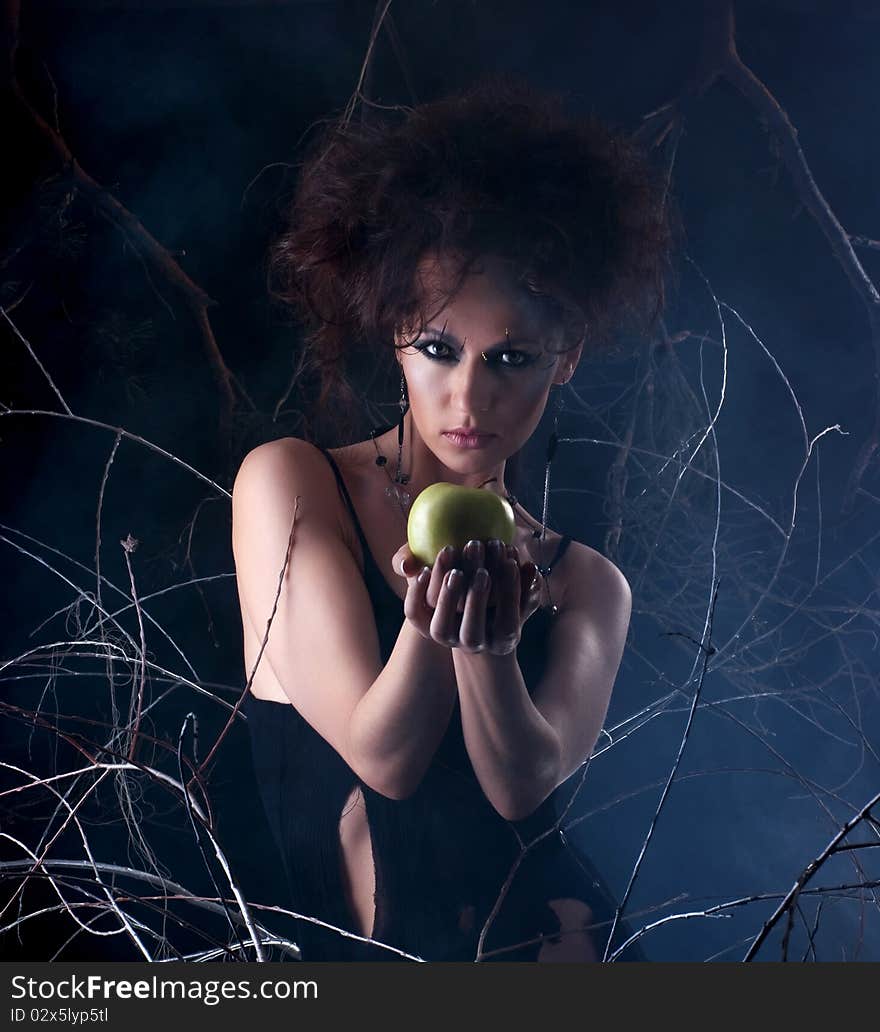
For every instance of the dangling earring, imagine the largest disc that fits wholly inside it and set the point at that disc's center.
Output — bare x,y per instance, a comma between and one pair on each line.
395,490
401,478
552,442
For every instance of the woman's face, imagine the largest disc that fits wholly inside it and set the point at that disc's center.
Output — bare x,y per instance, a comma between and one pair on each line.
484,361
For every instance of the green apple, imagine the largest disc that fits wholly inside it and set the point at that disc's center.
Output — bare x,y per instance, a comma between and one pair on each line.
448,514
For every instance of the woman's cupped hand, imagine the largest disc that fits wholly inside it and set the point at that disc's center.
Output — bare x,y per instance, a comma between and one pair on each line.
476,599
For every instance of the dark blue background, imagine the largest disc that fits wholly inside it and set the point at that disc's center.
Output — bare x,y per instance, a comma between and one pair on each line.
177,110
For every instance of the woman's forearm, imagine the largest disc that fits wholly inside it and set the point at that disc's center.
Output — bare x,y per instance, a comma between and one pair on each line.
514,751
396,727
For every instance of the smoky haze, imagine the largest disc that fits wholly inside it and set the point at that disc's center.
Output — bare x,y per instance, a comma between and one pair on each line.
712,463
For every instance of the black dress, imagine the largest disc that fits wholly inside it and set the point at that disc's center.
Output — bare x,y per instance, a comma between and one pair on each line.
442,855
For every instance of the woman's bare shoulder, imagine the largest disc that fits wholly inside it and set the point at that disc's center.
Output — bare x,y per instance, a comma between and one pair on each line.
286,459
280,449
589,573
278,472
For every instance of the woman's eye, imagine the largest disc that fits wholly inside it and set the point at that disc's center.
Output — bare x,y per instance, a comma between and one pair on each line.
433,344
516,359
520,358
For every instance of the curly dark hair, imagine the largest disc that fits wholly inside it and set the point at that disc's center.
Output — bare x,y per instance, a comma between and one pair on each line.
573,207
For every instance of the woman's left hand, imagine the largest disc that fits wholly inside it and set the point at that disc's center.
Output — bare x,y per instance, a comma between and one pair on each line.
494,607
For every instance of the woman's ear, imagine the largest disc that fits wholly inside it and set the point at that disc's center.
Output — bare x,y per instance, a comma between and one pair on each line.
567,367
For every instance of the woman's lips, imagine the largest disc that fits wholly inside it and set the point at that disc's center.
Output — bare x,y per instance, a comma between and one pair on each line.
469,440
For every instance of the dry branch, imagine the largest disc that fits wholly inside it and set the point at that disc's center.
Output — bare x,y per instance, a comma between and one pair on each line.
719,59
155,257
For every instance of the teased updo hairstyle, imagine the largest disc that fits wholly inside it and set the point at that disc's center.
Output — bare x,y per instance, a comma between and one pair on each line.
501,169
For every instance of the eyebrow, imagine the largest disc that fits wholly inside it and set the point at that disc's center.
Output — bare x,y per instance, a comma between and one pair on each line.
503,345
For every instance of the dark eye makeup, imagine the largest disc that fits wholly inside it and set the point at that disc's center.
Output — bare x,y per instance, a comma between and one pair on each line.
524,358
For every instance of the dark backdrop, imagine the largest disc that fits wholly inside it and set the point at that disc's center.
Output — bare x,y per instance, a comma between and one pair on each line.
697,460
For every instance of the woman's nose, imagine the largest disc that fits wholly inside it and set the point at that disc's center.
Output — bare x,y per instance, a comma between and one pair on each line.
473,385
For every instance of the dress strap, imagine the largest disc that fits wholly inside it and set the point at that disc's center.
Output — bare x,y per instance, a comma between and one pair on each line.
343,490
564,542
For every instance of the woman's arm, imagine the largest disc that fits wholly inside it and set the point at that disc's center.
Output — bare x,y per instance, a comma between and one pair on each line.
323,646
522,747
400,720
515,752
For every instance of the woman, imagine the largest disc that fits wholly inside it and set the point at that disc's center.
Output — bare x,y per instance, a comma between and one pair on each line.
413,728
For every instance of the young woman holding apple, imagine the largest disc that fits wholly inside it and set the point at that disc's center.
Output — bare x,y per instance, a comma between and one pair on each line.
413,726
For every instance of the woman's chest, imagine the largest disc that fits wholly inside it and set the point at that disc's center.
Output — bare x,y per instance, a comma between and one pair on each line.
383,525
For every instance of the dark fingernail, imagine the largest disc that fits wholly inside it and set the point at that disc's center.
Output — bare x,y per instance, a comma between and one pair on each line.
454,578
481,579
425,573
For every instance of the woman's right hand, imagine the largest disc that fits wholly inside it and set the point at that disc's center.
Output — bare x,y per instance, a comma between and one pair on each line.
425,589
435,608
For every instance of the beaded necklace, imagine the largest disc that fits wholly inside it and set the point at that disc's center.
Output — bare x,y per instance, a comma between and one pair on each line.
397,492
